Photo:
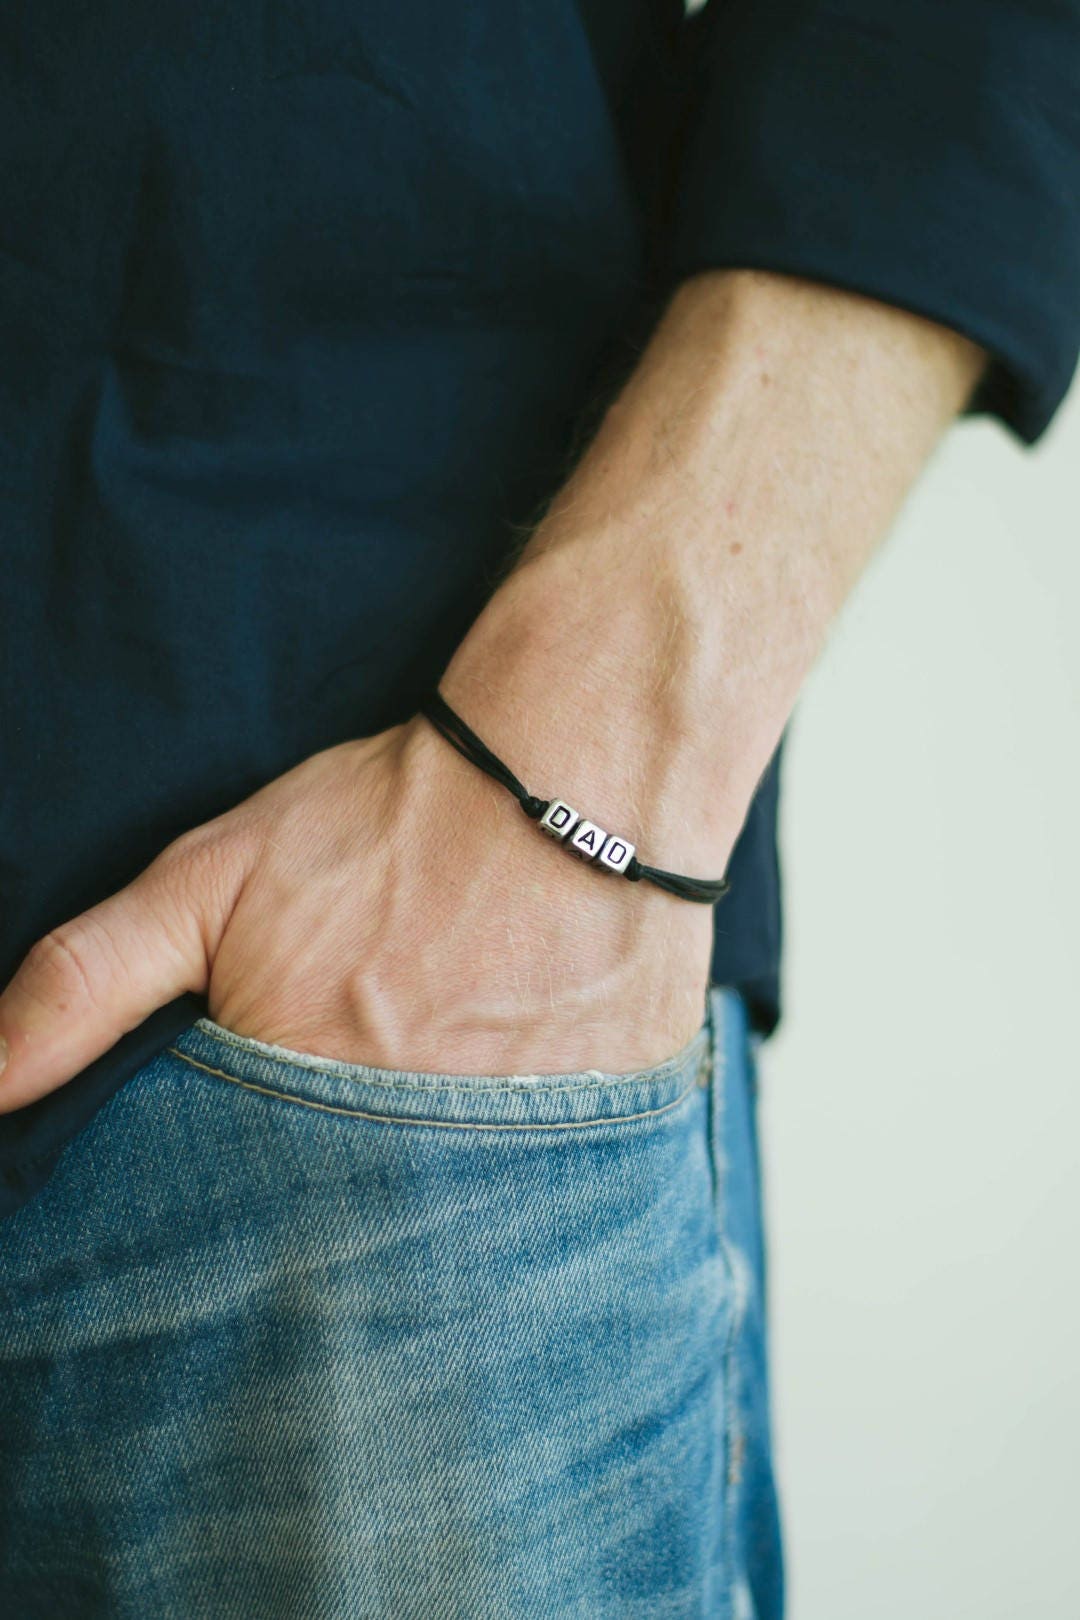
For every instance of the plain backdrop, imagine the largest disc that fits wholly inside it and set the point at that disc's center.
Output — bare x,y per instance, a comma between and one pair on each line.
920,1106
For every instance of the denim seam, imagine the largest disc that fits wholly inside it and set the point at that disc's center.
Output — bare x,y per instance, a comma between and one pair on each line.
445,1124
735,1286
586,1081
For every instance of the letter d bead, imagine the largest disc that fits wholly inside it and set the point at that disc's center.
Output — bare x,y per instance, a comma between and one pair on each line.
558,819
616,854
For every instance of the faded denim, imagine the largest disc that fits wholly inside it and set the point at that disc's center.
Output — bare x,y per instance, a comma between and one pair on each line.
288,1337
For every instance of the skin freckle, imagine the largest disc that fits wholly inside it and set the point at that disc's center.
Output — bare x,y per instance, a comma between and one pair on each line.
735,547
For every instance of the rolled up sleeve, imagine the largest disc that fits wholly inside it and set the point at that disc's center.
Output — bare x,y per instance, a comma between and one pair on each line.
923,152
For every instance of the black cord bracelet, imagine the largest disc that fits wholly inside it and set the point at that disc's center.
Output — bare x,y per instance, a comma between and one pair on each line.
555,817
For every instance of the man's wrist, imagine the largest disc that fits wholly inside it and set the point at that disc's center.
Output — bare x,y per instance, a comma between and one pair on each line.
653,637
585,676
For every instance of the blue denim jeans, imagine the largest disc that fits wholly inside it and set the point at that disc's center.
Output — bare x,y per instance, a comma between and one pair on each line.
288,1337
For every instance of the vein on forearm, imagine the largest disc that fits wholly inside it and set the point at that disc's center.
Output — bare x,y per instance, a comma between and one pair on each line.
682,582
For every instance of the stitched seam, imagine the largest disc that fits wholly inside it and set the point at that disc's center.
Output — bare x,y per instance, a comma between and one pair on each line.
641,1077
444,1124
734,1415
737,1268
719,1100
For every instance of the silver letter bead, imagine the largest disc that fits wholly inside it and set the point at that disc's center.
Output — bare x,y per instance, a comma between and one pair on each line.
616,854
587,841
558,819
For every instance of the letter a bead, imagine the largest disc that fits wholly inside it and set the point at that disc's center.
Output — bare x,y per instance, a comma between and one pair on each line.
616,854
587,841
558,819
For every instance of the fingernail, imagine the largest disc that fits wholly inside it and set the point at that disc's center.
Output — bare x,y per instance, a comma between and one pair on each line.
3,1054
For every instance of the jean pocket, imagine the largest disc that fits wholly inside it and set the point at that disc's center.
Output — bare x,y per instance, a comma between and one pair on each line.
526,1102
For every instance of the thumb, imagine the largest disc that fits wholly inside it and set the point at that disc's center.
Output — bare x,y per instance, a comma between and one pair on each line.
87,982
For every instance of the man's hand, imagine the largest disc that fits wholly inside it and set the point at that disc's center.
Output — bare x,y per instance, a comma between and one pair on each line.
386,902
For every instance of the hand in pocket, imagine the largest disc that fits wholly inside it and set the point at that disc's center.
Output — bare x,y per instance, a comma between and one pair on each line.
385,903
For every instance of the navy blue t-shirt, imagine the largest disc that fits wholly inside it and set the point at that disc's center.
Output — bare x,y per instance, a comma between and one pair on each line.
305,308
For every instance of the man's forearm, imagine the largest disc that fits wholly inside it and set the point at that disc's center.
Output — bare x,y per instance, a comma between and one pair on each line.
640,660
645,653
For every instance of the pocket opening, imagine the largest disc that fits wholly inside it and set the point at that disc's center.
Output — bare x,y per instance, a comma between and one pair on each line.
552,1098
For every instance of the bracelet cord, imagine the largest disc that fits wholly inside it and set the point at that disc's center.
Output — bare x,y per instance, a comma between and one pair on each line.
461,735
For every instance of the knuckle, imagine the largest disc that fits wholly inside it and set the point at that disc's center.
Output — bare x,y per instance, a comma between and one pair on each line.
187,850
200,873
204,849
59,963
192,863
